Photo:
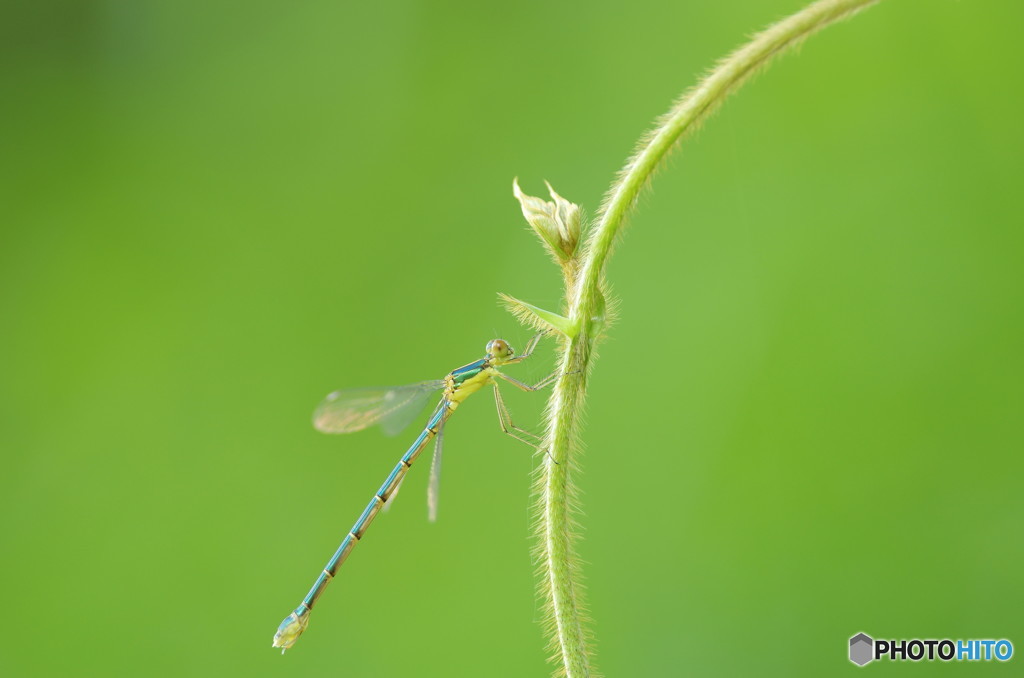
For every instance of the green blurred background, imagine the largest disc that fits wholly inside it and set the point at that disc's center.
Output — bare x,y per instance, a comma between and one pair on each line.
807,422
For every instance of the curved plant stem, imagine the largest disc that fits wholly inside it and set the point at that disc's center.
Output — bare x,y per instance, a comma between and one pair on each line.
586,313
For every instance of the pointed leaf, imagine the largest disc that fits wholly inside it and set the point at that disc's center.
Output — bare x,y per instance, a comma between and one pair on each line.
538,318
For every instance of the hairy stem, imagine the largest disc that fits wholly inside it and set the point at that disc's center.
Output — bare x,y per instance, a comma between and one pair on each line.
560,572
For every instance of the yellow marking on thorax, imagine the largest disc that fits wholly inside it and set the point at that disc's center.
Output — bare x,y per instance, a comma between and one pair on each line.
456,394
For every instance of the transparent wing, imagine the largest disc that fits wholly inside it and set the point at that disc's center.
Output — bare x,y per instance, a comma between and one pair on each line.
358,408
434,487
391,499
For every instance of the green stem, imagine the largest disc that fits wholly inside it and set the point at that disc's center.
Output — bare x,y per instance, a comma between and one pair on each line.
559,566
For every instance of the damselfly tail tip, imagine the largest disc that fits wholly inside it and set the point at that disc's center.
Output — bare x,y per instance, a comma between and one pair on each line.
291,628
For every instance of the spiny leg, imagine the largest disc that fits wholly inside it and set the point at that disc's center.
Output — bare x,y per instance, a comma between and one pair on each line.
532,344
546,381
505,419
528,351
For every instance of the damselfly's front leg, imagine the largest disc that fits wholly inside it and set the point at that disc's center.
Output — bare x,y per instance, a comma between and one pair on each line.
528,351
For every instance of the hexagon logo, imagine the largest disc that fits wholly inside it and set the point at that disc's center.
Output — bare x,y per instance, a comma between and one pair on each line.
861,649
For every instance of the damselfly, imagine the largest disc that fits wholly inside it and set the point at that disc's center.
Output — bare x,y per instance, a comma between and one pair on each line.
393,409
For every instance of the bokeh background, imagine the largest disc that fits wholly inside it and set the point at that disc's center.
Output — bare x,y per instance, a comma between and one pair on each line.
807,422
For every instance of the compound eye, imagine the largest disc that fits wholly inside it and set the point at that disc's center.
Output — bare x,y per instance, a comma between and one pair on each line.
498,348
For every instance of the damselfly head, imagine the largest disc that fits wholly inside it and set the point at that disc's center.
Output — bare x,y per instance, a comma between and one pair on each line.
499,349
